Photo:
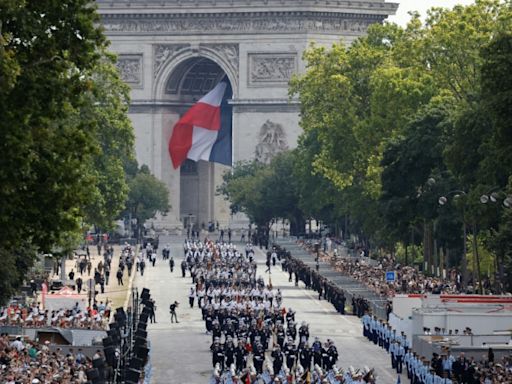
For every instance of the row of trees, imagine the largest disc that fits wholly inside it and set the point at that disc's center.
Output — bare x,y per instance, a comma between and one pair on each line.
65,136
392,123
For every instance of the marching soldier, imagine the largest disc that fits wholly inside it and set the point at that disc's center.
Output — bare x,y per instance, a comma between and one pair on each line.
277,357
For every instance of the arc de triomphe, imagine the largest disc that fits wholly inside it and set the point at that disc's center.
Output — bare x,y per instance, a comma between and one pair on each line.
171,52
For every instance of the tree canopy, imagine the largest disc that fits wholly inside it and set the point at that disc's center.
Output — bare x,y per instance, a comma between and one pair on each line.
64,131
398,119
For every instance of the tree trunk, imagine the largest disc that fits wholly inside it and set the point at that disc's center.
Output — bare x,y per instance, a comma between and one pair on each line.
477,260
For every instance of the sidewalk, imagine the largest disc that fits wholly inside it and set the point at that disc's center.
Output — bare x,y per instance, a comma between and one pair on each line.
114,293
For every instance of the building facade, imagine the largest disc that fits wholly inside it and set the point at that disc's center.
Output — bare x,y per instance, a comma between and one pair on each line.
171,52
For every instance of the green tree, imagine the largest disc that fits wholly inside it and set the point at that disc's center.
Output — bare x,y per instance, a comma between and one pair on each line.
265,192
56,161
106,110
147,196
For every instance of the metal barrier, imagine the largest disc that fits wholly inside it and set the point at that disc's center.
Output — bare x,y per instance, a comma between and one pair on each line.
12,330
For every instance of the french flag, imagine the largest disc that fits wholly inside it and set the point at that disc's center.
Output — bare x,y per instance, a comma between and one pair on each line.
204,132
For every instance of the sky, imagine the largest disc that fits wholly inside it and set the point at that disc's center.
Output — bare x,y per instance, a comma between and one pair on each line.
421,6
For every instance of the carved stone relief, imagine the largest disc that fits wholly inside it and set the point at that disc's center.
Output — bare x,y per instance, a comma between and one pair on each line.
130,68
164,52
229,52
231,22
272,140
271,68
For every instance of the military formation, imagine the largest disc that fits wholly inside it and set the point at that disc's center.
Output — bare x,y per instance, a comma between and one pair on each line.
254,338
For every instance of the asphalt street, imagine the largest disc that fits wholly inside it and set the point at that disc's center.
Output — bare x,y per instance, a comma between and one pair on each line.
180,352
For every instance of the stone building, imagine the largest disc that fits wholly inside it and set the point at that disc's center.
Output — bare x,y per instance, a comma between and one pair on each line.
171,52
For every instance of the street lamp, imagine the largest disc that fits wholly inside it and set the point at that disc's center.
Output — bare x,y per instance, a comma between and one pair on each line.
507,203
493,198
443,200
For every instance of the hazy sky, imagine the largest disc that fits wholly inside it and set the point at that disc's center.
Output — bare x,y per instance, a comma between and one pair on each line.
421,6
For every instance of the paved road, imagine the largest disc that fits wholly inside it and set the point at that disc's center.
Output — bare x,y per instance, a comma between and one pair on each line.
180,352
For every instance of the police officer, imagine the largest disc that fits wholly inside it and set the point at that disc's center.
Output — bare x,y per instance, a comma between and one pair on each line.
399,356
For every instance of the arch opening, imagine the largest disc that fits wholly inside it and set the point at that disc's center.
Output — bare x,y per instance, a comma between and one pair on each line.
187,83
193,78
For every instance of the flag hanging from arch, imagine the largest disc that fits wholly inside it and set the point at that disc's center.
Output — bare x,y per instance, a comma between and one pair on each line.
204,132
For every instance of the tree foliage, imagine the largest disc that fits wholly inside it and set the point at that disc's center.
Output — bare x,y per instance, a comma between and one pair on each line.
393,122
63,132
147,196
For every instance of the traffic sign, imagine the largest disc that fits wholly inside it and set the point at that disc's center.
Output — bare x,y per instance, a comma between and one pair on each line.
390,276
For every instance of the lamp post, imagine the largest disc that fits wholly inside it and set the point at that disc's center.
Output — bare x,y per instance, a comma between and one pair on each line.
443,200
493,197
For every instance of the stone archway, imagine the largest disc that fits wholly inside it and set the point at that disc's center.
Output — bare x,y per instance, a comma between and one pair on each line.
189,80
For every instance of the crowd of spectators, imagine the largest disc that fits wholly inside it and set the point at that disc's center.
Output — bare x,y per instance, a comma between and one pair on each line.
407,280
440,369
94,317
29,362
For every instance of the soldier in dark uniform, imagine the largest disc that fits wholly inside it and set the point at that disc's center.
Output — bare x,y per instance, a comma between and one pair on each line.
209,321
280,335
332,351
240,356
290,315
304,332
217,353
259,357
216,330
290,352
326,358
317,352
305,357
277,357
291,331
229,352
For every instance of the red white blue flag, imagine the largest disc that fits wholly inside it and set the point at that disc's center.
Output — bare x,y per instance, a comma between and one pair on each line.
204,131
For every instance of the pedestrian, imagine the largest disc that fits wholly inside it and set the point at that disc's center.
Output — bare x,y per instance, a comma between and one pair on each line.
119,276
183,268
89,268
171,264
152,308
191,297
142,266
107,274
102,284
172,310
79,283
153,260
71,275
129,266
